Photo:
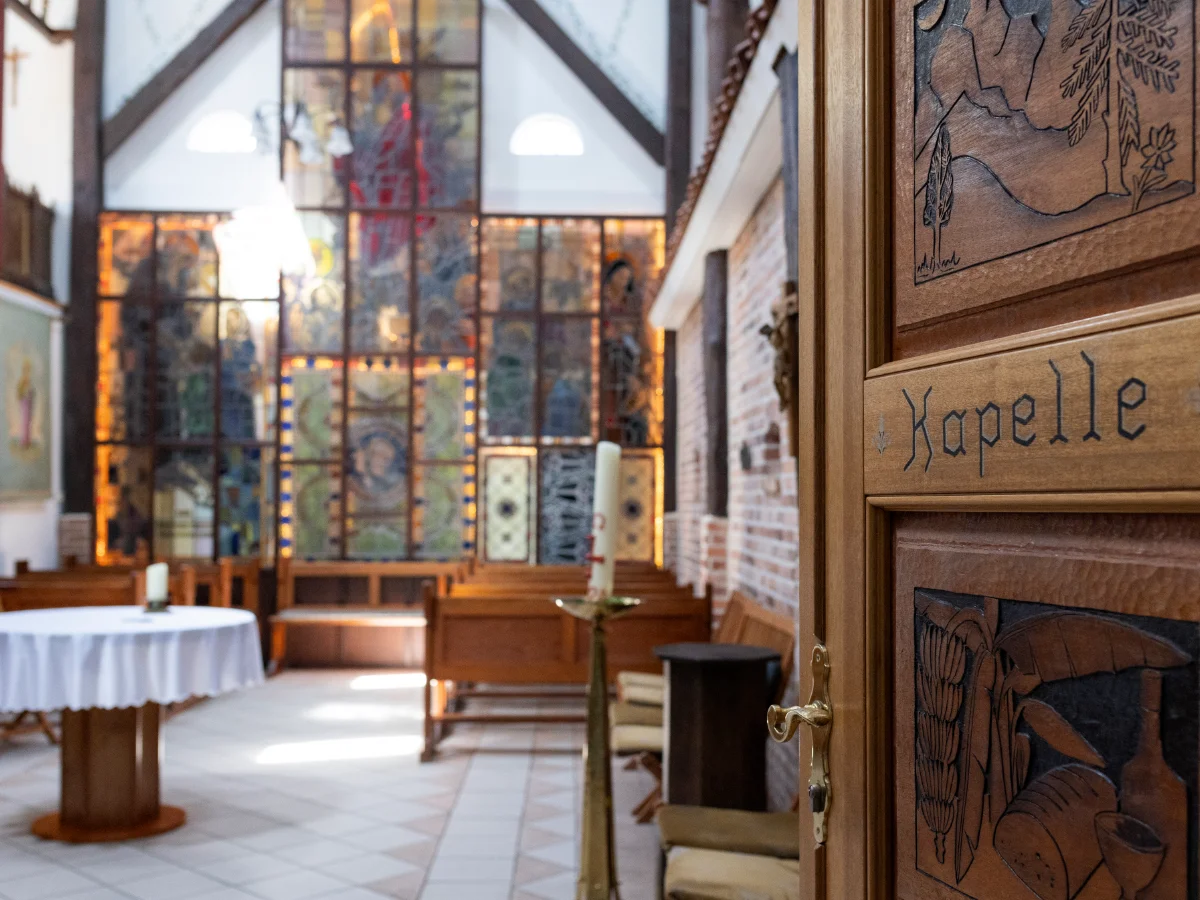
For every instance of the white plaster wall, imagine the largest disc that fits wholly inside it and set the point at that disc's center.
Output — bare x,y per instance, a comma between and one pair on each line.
155,170
38,136
522,77
141,36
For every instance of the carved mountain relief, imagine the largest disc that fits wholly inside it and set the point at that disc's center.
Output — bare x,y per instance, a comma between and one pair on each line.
1056,750
1038,119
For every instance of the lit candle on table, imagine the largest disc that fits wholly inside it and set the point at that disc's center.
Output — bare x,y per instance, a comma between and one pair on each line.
604,519
156,582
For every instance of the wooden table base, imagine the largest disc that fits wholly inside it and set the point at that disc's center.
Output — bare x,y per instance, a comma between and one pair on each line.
110,778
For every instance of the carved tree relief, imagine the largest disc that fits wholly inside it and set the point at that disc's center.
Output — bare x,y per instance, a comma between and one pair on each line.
1057,116
1055,749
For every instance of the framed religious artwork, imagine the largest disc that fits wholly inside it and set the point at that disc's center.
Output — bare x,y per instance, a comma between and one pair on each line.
26,401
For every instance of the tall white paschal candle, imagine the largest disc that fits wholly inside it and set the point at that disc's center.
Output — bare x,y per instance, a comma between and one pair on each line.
156,582
604,518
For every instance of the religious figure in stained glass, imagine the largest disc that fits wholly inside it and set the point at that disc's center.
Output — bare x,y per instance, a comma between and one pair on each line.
511,359
567,378
187,257
380,254
125,248
630,379
381,161
379,454
448,118
446,275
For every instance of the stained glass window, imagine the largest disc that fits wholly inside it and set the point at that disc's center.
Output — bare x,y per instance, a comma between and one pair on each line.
123,343
632,361
636,507
187,256
633,257
186,370
381,31
314,106
126,242
568,483
310,511
446,283
316,30
444,511
249,334
448,31
184,503
510,261
381,280
247,502
444,422
509,501
568,405
381,161
314,298
124,485
570,266
312,402
509,376
448,113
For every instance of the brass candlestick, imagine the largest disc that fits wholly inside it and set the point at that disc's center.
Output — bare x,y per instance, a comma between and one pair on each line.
597,855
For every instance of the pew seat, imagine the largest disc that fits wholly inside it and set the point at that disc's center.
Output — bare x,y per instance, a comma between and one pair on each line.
774,834
694,874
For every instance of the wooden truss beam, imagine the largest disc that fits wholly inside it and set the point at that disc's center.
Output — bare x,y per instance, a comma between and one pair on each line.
602,87
138,108
53,35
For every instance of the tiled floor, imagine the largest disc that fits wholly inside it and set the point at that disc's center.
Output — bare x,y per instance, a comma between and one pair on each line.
310,787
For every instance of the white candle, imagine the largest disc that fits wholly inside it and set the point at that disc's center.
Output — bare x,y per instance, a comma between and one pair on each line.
156,582
604,517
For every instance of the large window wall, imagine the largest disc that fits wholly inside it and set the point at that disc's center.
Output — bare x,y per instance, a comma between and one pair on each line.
419,381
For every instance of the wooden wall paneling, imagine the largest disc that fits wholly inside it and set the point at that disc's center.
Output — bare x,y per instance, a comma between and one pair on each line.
715,328
810,400
677,155
79,407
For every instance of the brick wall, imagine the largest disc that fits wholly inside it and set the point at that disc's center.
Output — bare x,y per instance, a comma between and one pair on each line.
754,550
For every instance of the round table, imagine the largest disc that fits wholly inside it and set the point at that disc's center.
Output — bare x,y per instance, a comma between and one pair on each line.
109,668
715,713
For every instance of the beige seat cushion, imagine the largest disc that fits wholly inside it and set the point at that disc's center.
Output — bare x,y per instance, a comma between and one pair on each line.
647,679
643,694
628,739
622,713
734,830
717,875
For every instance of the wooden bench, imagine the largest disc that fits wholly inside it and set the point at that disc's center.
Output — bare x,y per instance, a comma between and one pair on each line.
372,614
517,637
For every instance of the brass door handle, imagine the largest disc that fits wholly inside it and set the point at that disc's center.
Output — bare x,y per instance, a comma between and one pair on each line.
817,714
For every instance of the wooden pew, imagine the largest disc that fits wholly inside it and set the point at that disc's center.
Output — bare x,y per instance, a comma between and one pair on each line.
218,577
373,614
520,638
30,589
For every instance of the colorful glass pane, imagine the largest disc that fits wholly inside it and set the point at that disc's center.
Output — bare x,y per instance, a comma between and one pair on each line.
446,279
568,483
249,333
381,282
247,483
183,503
381,161
632,403
373,538
509,375
314,105
509,501
448,115
312,511
570,265
315,30
125,245
123,398
314,296
444,424
123,487
636,508
443,517
312,403
377,481
186,371
187,256
448,30
509,265
381,31
634,251
567,389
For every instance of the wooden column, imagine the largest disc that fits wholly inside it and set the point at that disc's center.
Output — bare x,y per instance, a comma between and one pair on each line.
789,106
715,328
79,408
679,105
670,423
725,30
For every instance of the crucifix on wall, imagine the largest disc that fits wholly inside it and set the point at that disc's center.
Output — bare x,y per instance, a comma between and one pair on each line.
14,57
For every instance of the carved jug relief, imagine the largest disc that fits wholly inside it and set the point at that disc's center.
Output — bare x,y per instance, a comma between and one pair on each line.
1056,750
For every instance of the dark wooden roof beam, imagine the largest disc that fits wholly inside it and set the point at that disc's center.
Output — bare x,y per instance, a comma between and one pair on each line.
138,108
602,87
53,35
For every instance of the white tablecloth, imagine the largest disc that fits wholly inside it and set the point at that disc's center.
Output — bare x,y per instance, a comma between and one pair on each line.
112,657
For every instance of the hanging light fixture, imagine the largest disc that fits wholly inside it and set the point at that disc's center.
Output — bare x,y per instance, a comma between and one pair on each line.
339,143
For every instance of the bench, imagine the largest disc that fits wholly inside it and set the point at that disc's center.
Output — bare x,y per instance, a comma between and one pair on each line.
374,613
512,634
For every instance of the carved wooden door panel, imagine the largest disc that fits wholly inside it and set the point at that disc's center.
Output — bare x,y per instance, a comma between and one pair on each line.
1046,665
1004,335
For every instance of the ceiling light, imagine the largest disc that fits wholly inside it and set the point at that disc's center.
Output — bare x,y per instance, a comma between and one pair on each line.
546,134
223,131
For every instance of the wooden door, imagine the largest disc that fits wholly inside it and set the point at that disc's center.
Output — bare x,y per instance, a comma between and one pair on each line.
1000,446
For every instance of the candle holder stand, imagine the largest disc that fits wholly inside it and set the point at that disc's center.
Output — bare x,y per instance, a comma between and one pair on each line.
597,854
